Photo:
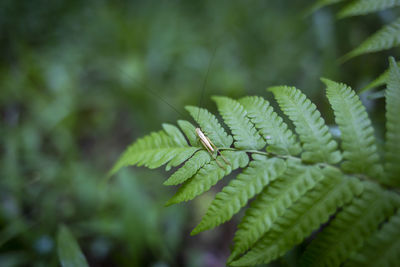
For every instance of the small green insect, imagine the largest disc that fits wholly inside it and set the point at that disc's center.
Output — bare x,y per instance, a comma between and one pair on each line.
210,147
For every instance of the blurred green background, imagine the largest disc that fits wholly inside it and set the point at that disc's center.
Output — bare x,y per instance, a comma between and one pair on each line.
81,80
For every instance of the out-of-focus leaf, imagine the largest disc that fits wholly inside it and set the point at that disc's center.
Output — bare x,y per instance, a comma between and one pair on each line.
376,95
380,81
69,252
386,38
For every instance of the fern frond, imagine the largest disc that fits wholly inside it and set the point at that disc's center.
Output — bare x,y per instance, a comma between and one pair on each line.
318,144
363,7
382,248
294,196
279,138
210,126
155,150
243,130
197,161
272,203
358,140
350,228
303,217
392,156
208,176
190,132
306,215
260,172
386,38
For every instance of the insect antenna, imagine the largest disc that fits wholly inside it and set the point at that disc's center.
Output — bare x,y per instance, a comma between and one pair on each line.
203,89
207,143
153,92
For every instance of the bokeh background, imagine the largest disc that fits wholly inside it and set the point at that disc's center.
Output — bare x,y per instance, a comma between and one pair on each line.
81,80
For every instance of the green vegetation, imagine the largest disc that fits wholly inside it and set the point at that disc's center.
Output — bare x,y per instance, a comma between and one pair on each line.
79,81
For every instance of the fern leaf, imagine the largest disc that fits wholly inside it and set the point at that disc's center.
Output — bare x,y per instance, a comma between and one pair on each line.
153,151
279,138
175,134
350,228
272,203
386,38
190,132
363,7
180,158
318,144
382,248
392,148
190,168
243,130
381,80
306,215
358,140
208,176
210,126
260,172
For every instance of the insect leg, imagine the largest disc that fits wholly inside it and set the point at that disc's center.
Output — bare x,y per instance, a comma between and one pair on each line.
212,154
218,152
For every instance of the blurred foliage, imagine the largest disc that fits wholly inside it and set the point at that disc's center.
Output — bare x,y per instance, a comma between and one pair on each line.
80,80
69,251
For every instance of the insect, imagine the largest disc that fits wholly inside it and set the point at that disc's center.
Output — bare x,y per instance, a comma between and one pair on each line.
210,147
205,141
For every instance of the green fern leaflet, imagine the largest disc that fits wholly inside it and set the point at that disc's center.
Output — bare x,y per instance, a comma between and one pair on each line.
386,38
